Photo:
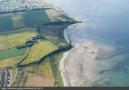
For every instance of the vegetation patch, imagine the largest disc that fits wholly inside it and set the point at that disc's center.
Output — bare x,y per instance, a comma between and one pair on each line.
34,76
54,62
17,29
18,20
10,62
35,17
13,52
5,23
11,40
38,51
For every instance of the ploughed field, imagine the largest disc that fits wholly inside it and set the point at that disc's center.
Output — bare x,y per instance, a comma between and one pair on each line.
21,50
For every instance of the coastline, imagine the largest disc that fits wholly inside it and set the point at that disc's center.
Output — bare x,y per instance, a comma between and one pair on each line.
62,68
62,61
79,66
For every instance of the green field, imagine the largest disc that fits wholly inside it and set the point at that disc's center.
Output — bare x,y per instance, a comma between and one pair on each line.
13,52
36,17
5,23
54,61
10,62
18,20
12,39
32,18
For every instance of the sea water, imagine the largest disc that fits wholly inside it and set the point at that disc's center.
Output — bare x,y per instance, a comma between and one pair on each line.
105,21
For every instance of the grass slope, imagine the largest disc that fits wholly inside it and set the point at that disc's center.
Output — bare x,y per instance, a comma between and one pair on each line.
38,51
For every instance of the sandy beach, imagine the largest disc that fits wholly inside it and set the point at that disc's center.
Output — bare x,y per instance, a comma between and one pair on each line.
79,65
62,68
74,65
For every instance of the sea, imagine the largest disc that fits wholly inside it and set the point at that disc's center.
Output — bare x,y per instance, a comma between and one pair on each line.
106,22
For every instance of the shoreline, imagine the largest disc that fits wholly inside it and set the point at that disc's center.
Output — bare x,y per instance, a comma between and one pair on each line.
62,68
62,61
83,57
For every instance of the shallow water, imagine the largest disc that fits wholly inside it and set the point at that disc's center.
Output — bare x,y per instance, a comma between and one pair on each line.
104,21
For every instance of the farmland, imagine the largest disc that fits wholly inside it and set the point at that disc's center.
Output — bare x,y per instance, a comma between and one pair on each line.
18,20
5,23
38,51
35,17
12,39
18,28
10,62
34,76
13,52
15,20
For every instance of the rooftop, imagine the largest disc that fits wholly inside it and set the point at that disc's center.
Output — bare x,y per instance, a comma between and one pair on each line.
17,5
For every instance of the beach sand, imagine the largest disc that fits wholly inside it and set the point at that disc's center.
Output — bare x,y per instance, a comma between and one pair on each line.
78,66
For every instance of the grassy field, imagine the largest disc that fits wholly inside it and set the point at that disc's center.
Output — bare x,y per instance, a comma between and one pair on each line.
58,41
13,52
36,17
10,62
38,51
32,18
55,69
43,76
5,23
13,39
54,63
35,76
18,20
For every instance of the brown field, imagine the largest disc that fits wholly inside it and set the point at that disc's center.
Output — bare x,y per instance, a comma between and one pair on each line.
35,76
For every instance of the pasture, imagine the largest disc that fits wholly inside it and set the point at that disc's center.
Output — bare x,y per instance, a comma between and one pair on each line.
18,20
38,51
35,76
5,23
13,52
35,17
12,39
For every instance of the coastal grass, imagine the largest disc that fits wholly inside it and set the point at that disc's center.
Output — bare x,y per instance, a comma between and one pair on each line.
58,41
39,50
57,72
10,40
54,62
